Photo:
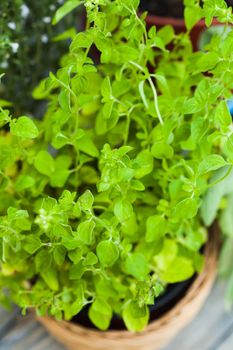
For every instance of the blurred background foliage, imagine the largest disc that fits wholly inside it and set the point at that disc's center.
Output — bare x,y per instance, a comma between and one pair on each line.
30,47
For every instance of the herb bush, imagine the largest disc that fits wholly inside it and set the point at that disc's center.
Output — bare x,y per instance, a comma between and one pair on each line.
100,200
27,50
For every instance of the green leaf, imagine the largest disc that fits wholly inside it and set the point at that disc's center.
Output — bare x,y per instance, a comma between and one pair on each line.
191,106
76,271
7,156
24,182
59,255
212,199
166,33
31,244
155,228
179,270
50,277
60,141
85,144
137,266
19,219
86,200
166,256
77,210
68,6
107,252
44,163
162,150
223,115
24,127
192,14
81,40
59,177
123,209
228,147
127,53
85,231
100,313
42,260
142,93
207,61
145,163
187,208
210,163
136,318
91,259
106,89
71,244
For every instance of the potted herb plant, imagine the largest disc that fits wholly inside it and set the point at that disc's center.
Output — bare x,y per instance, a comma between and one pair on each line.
183,15
101,200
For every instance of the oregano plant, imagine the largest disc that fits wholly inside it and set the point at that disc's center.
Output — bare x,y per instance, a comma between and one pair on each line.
103,200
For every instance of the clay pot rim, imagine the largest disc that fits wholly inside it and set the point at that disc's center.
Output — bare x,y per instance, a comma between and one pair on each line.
176,22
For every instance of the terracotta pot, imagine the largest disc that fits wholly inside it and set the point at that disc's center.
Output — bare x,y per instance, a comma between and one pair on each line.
179,26
159,332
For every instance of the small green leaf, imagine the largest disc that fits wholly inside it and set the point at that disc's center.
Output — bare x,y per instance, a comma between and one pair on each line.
123,209
77,210
85,144
31,244
187,208
212,199
207,61
162,150
76,271
68,6
155,228
228,147
59,255
145,163
86,200
44,163
60,141
100,313
106,89
166,33
50,277
91,259
192,14
107,252
135,317
24,182
142,93
137,266
85,231
24,127
211,163
223,115
179,270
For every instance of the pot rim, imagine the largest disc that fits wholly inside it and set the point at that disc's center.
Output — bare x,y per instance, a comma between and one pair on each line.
175,22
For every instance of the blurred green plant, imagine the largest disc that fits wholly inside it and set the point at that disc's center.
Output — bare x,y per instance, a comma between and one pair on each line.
29,48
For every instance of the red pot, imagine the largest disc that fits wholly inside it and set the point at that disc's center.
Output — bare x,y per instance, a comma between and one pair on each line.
179,26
